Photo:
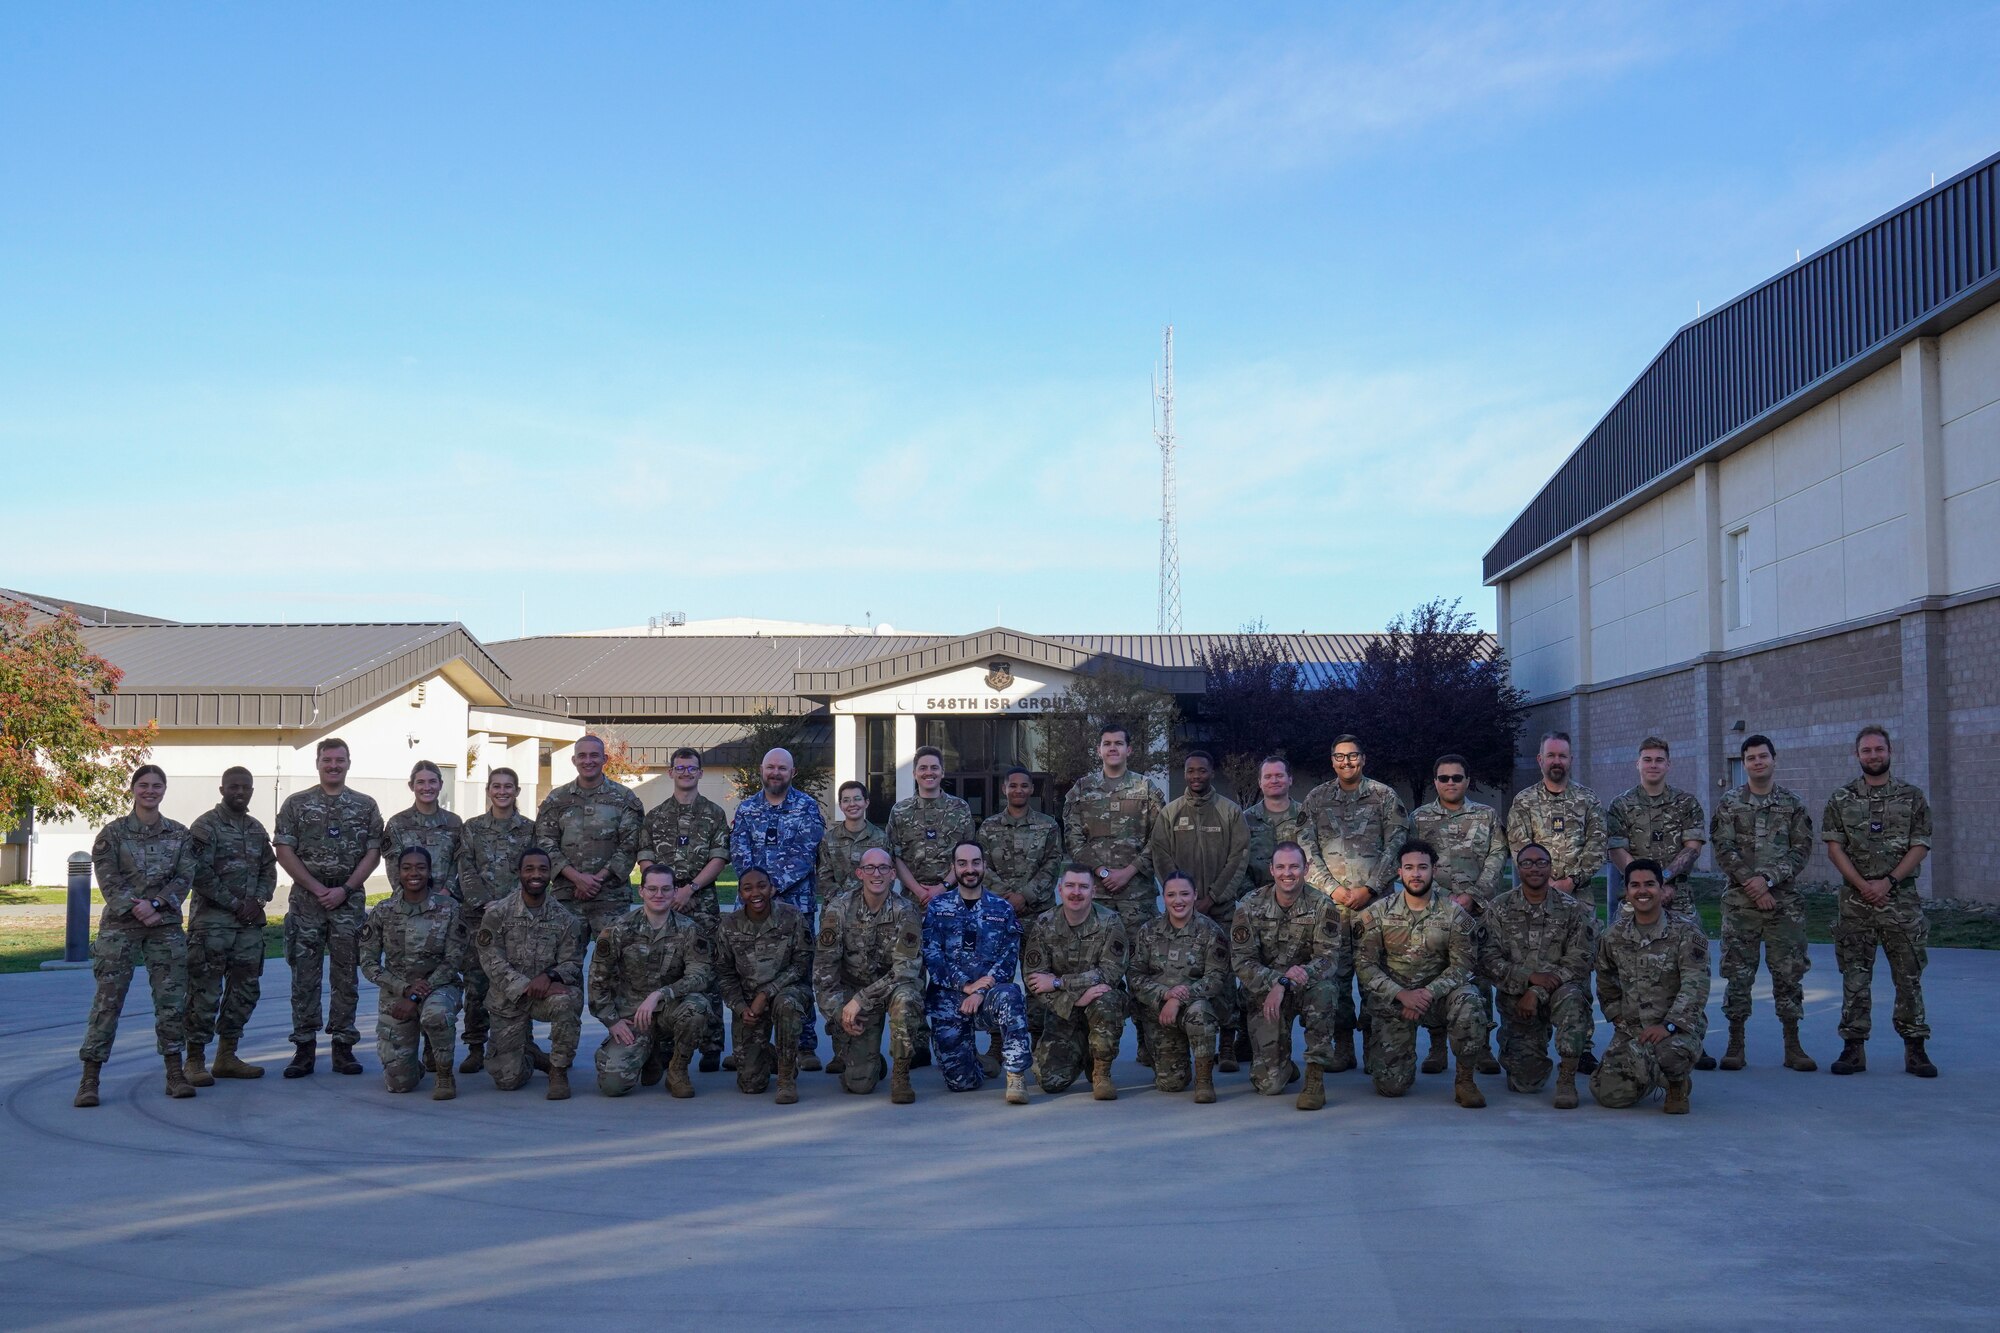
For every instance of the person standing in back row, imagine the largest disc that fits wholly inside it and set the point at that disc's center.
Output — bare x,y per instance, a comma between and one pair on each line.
235,875
1763,838
1566,819
590,829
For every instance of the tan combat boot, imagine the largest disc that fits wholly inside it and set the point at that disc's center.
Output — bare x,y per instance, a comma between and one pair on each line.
788,1076
1204,1080
900,1091
229,1065
447,1083
1488,1062
1017,1089
1795,1054
197,1068
1102,1089
676,1071
558,1083
1312,1097
1733,1057
1677,1095
1434,1059
1466,1092
1343,1053
177,1084
1566,1084
86,1087
475,1059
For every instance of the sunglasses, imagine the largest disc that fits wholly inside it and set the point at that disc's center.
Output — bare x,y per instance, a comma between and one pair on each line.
1450,777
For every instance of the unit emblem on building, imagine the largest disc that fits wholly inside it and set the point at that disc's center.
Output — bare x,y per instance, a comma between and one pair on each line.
999,675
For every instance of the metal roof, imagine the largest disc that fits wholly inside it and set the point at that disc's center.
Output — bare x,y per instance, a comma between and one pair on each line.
660,676
88,612
279,675
1779,349
721,743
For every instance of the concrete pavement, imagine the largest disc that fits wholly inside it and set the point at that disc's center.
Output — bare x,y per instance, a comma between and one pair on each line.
1785,1199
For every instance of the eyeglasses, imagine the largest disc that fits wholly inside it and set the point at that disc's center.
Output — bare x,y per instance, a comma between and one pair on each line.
1532,861
873,870
1450,777
687,768
1348,758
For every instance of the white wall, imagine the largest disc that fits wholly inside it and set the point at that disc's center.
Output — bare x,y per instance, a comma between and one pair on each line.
1969,410
1541,603
1645,587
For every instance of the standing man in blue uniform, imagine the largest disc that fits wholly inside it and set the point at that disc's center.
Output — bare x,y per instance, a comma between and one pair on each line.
778,831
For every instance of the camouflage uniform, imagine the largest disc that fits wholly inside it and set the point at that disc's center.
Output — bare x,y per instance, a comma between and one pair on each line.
1656,827
840,854
1080,957
591,829
634,958
964,941
1876,826
1406,947
1207,839
1266,832
489,853
233,863
783,841
440,833
133,863
687,837
403,943
1570,823
1265,939
1197,956
770,957
1350,840
1521,938
518,943
923,830
1108,825
876,957
330,835
1648,975
1471,852
1771,836
1023,856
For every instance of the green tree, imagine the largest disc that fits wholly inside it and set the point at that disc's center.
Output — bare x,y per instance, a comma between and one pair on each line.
1261,701
1433,684
769,731
56,759
1070,728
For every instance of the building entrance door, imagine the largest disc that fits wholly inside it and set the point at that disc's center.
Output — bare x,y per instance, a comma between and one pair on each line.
978,751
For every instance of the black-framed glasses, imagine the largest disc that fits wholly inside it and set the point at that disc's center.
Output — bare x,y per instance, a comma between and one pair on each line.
1533,861
687,768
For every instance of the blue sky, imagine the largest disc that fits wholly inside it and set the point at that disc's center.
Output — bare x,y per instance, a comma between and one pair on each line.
820,312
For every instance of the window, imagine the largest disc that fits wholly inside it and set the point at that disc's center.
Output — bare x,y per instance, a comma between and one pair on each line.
1736,578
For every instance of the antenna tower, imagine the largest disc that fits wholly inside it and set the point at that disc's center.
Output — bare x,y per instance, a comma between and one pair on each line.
1170,536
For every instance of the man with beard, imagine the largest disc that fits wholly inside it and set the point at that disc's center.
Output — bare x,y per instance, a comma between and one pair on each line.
1763,839
531,948
1652,980
972,947
778,831
1074,965
1415,962
1537,953
1567,820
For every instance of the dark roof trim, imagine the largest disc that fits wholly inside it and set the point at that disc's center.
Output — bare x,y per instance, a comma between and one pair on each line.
1772,353
985,645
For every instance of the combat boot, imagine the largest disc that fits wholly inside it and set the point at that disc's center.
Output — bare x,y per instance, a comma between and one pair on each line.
1312,1097
1853,1057
1017,1089
1435,1058
1677,1095
1204,1080
304,1053
1343,1053
676,1071
1795,1054
900,1091
837,1065
1915,1061
922,1059
1102,1089
558,1083
475,1059
538,1057
1488,1063
1466,1092
1227,1060
650,1072
1587,1062
446,1086
197,1069
86,1087
809,1061
711,1061
1733,1057
177,1084
1566,1084
228,1065
1704,1060
788,1077
343,1058
729,1062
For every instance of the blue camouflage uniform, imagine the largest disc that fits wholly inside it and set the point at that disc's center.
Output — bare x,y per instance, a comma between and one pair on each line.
783,842
964,941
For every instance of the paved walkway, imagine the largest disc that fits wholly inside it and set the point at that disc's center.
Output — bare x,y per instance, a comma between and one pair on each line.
1785,1200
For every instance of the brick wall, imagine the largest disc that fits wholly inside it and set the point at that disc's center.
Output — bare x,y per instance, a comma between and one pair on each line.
1969,731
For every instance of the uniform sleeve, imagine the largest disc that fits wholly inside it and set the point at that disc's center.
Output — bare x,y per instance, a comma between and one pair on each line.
1333,946
828,993
1488,883
962,828
1143,863
797,959
450,964
1616,834
1317,874
207,884
652,833
1395,831
1111,963
1520,827
1689,1011
1798,843
1216,977
501,975
1493,962
1159,849
1573,963
728,979
1250,970
1007,961
1610,992
1035,957
287,828
1038,891
1590,853
569,955
600,985
942,973
119,891
739,838
697,968
1692,829
1458,968
1233,879
372,946
1722,842
468,866
267,871
626,854
383,840
1369,967
548,834
1072,818
1142,973
1920,818
718,838
831,873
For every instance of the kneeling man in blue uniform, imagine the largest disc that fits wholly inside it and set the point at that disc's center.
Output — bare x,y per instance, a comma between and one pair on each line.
972,947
